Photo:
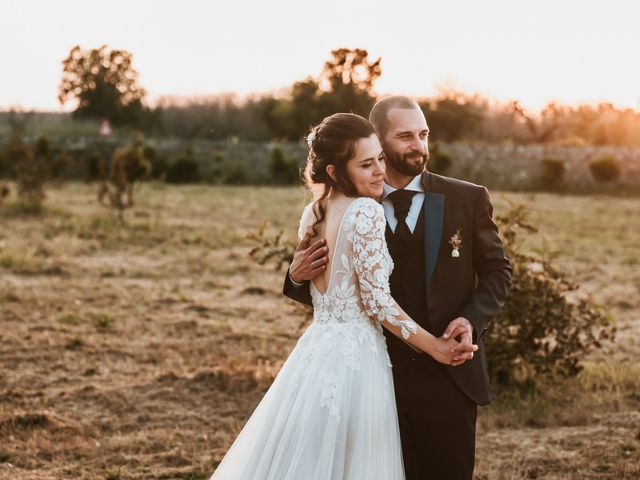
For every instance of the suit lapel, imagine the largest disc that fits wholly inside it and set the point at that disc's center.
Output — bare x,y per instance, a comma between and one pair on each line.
434,218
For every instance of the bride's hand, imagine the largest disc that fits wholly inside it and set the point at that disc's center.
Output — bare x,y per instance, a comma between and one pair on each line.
451,352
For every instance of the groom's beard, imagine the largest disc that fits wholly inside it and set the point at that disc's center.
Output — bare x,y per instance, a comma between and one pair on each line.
406,163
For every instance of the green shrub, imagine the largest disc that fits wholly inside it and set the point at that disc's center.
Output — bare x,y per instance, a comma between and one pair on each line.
276,249
102,322
605,169
234,173
217,163
282,169
159,164
94,167
31,170
552,172
42,146
59,161
113,475
128,166
4,192
183,170
540,333
439,161
6,169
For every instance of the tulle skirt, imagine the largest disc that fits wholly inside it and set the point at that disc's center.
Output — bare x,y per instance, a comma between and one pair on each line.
330,414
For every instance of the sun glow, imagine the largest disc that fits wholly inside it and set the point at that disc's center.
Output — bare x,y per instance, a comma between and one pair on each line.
570,52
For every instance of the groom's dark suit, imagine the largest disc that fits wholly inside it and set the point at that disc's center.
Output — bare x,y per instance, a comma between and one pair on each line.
437,403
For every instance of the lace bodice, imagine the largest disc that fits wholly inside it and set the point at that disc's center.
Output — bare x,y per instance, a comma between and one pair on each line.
358,288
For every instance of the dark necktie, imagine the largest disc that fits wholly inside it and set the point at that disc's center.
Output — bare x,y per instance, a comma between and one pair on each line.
401,200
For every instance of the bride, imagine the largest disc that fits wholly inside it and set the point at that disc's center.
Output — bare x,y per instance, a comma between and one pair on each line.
330,414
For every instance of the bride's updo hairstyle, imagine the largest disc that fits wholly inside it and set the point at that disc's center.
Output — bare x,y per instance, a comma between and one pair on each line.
333,142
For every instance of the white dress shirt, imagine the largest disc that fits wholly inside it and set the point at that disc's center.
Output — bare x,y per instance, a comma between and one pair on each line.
414,185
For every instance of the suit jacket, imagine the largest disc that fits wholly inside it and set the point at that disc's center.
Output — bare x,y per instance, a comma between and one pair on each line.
474,285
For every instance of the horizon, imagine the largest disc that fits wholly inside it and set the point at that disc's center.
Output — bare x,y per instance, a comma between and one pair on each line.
573,53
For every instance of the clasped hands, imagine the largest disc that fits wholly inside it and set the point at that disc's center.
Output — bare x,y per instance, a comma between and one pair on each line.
451,351
453,348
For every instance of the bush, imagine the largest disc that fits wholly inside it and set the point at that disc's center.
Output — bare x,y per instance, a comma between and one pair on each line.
605,169
4,192
439,161
552,172
216,159
276,249
31,170
94,167
43,147
183,170
59,162
540,332
282,169
159,164
234,173
128,165
6,169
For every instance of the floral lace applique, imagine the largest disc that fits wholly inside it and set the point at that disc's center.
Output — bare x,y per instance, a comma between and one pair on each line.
329,393
374,265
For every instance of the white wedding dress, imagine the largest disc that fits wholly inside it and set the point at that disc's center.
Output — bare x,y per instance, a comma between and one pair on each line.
330,413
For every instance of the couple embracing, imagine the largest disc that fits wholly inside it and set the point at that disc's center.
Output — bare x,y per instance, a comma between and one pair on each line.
404,269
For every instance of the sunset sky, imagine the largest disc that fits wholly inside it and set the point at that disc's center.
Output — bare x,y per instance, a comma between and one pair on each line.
534,51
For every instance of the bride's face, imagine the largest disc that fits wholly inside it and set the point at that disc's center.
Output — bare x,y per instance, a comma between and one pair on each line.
367,167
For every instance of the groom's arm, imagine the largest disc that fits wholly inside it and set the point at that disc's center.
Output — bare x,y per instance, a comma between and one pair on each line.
308,262
491,266
298,292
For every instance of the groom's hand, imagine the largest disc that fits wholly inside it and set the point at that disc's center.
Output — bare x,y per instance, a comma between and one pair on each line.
462,328
309,259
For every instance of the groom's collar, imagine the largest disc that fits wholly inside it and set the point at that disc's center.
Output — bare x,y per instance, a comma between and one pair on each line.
414,185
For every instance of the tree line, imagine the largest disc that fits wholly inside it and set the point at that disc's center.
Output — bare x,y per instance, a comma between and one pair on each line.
104,84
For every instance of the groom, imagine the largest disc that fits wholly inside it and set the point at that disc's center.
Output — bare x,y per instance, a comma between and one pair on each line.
450,276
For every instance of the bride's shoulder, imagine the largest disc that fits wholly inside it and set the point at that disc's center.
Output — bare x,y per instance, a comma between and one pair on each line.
367,206
365,213
306,219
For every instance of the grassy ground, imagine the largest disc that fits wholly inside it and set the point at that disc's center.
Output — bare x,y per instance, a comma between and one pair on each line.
138,352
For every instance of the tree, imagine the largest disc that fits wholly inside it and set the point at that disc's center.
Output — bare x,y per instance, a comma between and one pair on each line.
344,85
351,67
105,85
348,79
453,116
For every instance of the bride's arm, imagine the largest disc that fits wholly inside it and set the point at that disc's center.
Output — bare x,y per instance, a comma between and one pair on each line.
373,268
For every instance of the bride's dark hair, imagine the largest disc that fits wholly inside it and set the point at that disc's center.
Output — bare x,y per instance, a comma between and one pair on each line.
333,142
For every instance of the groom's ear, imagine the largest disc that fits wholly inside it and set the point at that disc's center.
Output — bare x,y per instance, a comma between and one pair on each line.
331,171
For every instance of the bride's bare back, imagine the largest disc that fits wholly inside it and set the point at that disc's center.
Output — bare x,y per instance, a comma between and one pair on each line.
335,207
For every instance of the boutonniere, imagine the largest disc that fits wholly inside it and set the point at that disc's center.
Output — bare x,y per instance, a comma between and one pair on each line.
456,243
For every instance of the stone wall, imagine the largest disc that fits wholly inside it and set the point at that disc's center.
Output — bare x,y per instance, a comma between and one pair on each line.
518,167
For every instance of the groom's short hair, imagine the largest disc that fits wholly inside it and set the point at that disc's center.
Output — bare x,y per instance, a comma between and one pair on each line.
380,111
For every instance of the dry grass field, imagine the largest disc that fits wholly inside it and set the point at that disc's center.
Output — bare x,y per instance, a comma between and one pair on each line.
137,352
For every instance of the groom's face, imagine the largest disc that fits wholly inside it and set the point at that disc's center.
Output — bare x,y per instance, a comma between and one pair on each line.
405,141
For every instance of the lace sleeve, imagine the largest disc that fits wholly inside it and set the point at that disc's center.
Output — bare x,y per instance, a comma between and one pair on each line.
373,266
